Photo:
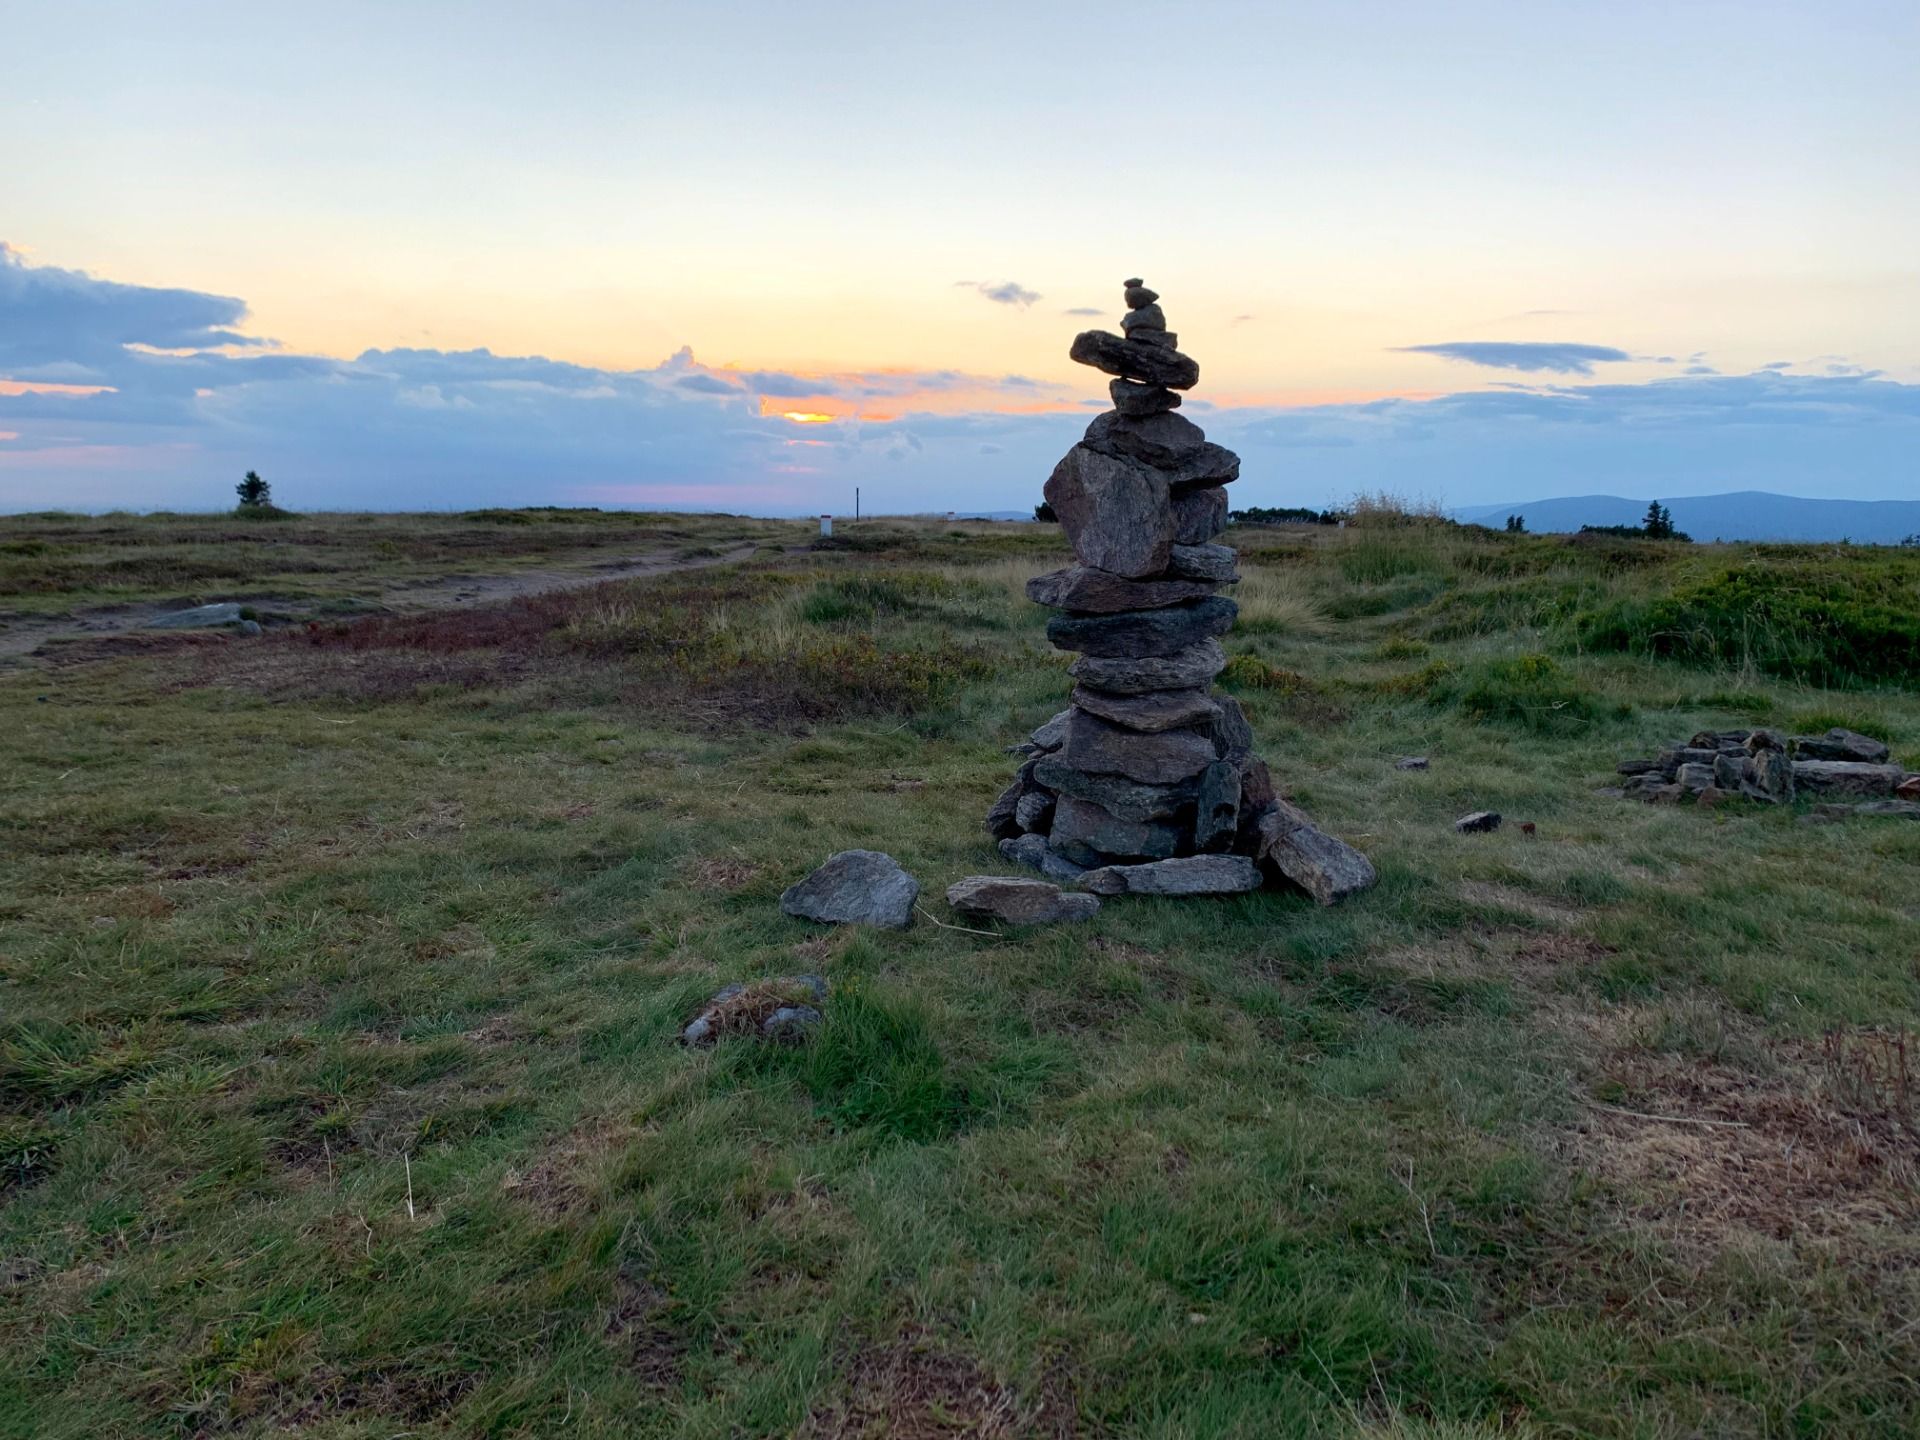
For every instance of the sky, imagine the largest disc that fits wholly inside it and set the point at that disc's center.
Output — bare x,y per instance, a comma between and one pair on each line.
749,256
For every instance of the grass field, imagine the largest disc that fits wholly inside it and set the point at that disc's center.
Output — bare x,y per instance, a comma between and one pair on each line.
340,971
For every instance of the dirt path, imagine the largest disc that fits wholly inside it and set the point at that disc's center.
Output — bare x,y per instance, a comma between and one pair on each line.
22,635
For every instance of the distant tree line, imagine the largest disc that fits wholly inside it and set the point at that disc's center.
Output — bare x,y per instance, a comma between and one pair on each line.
1658,525
1285,515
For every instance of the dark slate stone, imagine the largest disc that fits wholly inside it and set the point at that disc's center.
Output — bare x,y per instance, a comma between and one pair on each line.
1143,633
1148,364
1018,902
1133,398
1827,777
1188,875
1161,339
1772,778
1478,822
1153,710
1129,674
1089,835
1117,513
1198,515
1203,562
1840,744
1161,440
1323,865
1232,734
1034,811
1117,795
1216,811
1087,591
1034,852
1137,295
1144,317
1163,759
1003,815
856,887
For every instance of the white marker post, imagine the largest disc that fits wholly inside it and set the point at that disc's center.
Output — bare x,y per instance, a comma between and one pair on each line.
826,525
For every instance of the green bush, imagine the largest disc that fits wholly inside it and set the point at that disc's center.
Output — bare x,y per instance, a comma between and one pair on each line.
1529,691
1811,620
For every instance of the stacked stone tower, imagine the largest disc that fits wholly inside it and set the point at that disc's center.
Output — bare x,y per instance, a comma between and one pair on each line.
1148,783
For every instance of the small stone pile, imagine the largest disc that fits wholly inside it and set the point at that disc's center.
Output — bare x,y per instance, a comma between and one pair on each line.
1148,783
1765,765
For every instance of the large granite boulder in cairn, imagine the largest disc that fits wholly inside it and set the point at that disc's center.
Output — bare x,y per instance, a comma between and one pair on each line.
1148,783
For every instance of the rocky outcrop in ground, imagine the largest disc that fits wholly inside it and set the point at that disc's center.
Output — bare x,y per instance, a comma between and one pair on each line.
1769,767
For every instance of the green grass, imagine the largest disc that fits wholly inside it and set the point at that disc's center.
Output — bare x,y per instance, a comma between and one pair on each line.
340,973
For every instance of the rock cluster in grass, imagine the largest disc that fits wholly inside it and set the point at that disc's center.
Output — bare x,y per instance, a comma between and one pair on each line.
1766,766
1147,783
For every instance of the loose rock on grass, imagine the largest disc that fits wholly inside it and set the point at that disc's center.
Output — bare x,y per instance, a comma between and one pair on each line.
786,1010
1018,901
856,887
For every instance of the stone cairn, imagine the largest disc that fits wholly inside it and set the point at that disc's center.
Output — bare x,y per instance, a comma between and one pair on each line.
1717,766
1148,783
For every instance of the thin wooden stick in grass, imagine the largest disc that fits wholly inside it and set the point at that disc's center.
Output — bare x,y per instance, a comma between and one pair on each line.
962,928
1670,1119
407,1160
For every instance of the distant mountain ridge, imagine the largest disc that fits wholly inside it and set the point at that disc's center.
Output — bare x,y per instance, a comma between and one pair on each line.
1739,515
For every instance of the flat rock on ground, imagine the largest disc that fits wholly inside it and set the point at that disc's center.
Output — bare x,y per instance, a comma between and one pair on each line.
856,887
1478,822
1197,664
200,617
1187,875
774,1009
1323,865
1018,902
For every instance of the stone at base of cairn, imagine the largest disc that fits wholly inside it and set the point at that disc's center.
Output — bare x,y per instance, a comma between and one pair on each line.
1148,784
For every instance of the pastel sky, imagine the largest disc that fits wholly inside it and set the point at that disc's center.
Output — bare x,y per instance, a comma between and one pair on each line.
747,256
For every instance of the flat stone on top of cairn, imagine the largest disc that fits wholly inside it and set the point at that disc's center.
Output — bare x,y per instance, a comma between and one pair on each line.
1151,785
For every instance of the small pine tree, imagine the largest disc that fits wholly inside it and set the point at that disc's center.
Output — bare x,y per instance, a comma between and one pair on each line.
1659,522
1516,524
1044,511
253,490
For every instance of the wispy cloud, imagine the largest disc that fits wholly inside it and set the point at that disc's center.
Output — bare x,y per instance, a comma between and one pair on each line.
1001,292
1084,310
1549,356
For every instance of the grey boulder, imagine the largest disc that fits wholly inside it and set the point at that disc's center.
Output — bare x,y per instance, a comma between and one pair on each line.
855,887
1144,317
1018,902
1137,295
1117,513
1162,440
1034,810
1186,875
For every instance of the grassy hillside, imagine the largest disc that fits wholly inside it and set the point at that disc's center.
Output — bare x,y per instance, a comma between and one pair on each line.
341,969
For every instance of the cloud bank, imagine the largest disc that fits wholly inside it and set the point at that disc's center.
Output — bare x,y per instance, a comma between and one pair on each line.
1534,355
120,395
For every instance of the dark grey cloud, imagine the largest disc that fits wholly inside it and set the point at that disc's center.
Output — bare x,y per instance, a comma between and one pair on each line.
1550,356
70,320
1002,292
